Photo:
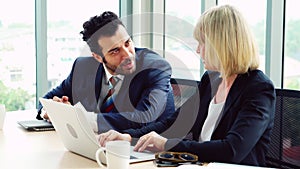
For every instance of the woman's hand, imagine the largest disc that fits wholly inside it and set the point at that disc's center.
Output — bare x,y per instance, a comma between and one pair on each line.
112,135
152,142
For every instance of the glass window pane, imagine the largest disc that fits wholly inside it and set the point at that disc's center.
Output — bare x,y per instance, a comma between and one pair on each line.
255,13
65,44
180,46
17,55
292,47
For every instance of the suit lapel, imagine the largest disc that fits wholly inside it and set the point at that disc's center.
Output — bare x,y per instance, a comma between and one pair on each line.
122,99
98,81
235,90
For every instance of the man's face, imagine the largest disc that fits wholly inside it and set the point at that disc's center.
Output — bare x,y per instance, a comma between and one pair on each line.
119,53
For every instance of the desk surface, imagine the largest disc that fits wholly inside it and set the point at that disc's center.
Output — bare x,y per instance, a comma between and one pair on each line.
44,150
39,150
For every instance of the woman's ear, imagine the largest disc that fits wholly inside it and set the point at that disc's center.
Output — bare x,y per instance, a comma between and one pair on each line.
97,57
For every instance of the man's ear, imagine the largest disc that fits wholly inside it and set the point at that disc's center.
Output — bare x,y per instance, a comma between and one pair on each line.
97,57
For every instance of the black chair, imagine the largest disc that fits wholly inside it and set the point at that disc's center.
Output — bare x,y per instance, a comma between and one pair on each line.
284,150
182,90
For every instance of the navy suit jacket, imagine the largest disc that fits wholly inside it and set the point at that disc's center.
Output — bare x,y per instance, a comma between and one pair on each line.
243,130
145,96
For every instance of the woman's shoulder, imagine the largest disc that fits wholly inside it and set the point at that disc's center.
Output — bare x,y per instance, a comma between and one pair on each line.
256,80
258,76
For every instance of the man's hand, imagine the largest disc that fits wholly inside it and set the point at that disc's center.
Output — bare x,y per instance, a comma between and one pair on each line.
112,135
46,117
152,142
64,99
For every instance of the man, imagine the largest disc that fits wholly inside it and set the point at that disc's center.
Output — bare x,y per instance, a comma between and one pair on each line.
141,88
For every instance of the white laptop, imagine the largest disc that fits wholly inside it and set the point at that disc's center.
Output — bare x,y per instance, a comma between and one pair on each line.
76,133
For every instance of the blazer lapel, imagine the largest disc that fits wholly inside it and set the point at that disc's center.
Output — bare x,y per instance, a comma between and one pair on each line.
122,99
235,90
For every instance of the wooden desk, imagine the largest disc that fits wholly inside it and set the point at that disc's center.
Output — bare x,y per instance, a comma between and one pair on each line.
44,150
39,150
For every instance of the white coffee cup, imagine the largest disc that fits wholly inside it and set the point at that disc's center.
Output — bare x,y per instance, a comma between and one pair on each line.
2,115
117,154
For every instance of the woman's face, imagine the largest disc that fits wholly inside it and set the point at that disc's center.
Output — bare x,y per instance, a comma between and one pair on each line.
201,51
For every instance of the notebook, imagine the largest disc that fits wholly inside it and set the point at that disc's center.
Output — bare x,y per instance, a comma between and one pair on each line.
76,133
36,125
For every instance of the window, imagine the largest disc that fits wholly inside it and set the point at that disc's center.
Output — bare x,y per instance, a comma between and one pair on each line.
292,48
64,43
180,46
64,40
17,55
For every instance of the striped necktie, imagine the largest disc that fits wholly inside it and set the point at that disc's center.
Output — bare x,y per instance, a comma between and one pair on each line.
108,102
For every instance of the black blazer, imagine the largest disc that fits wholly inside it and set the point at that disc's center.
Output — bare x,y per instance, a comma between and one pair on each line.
243,131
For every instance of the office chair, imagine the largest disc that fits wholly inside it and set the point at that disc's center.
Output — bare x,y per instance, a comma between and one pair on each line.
183,89
284,149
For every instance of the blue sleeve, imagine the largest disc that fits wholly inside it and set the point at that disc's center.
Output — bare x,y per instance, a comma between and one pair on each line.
160,125
64,89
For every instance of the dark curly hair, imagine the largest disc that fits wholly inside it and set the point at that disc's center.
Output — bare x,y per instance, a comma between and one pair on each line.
98,26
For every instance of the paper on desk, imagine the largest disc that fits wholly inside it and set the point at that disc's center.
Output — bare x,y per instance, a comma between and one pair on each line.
231,166
191,166
218,166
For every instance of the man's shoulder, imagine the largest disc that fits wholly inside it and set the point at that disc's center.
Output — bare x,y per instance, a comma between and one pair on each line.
85,63
147,54
143,51
86,60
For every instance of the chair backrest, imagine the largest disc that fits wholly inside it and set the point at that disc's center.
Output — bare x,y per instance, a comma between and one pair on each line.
284,150
183,89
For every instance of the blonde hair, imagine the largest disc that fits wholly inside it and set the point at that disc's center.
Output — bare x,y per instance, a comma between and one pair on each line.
229,44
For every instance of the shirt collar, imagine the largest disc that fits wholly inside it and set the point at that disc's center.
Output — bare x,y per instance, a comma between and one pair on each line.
108,75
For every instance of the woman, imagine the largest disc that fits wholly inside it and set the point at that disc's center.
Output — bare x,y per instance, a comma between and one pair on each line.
237,101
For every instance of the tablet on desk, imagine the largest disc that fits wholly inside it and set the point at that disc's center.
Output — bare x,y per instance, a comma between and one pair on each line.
36,125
